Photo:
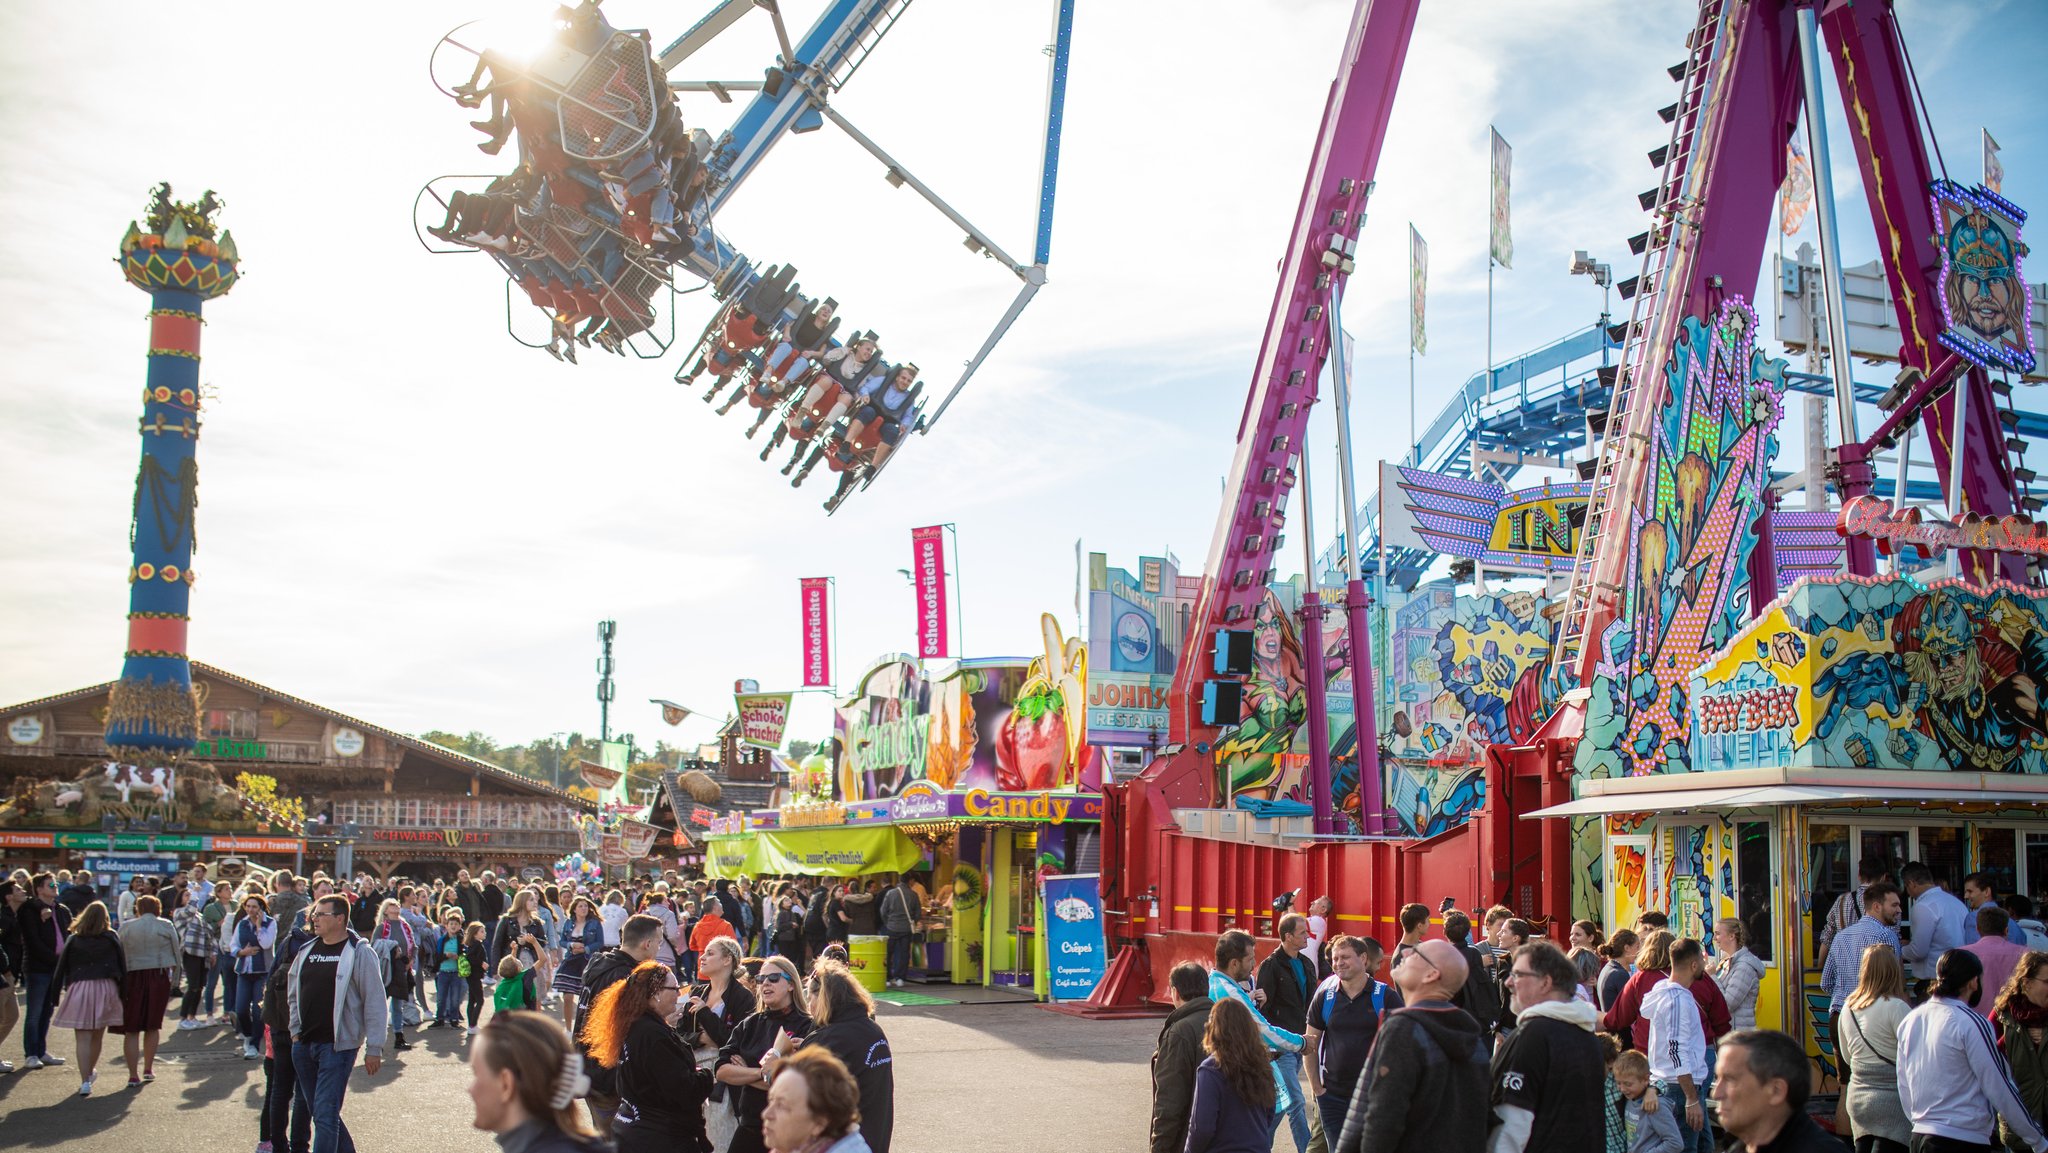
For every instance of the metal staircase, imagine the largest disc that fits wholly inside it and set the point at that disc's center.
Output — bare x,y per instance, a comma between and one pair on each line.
866,36
1669,252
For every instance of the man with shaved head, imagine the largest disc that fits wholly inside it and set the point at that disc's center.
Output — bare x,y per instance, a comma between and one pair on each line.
1424,1088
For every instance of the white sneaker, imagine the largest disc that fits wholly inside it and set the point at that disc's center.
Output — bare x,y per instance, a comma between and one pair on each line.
189,1023
249,1051
6,1066
32,1063
85,1087
471,1032
52,1059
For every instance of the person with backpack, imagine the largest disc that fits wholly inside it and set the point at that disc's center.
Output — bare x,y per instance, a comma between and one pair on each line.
900,911
450,974
1480,995
285,1123
1344,1018
396,946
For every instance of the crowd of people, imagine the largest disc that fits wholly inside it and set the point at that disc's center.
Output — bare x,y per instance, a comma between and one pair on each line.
1493,1037
662,1014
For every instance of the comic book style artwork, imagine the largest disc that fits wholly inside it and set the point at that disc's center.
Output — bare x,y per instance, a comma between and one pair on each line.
1881,673
1721,400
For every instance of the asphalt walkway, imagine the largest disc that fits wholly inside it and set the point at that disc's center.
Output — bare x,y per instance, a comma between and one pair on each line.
991,1078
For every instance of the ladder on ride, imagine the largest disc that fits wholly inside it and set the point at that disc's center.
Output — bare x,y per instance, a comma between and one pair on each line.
1669,250
865,38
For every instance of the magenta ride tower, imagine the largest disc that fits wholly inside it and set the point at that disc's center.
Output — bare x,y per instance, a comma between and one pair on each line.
176,257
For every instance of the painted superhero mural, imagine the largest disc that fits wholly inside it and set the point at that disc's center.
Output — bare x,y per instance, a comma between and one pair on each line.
1254,758
1689,545
1881,673
1465,673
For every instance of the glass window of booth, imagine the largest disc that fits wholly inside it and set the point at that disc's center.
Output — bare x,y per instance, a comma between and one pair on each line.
1998,857
1828,874
1941,850
1755,887
2037,866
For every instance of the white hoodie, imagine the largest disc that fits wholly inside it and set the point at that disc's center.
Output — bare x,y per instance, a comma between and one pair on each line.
1678,1038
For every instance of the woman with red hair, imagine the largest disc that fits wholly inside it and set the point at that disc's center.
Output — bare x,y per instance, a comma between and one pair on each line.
661,1089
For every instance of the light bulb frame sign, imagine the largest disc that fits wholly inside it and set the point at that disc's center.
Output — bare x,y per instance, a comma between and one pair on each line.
928,574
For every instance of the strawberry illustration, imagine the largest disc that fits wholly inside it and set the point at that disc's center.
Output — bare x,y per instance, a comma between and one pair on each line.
1031,747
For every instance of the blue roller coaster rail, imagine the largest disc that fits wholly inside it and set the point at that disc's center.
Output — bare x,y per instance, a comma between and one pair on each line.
1536,405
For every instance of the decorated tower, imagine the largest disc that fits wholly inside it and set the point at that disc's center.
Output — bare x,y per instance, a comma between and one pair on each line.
153,715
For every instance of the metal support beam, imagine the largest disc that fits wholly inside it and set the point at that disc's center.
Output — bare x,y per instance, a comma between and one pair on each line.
897,171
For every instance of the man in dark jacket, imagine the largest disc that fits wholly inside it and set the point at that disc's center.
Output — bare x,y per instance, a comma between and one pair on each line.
1287,976
1179,1053
44,924
468,897
79,893
639,938
900,911
491,907
1479,996
1549,1078
1424,1087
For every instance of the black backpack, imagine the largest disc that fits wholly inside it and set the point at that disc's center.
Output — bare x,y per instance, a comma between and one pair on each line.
1480,997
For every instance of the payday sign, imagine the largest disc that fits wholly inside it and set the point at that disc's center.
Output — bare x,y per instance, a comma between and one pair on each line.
1873,517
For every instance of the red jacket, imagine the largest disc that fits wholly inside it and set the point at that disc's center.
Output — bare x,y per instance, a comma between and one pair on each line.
1627,1010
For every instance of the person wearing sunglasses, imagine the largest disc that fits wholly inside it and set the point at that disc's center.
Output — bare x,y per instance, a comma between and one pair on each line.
631,1028
748,1058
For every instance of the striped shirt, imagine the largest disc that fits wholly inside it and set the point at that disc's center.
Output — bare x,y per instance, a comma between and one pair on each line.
1845,957
1952,1079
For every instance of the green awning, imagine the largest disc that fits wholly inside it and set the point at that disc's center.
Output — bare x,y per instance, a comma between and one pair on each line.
821,852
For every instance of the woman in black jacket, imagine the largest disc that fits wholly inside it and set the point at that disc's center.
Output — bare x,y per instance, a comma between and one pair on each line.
661,1089
715,1005
845,1019
788,939
746,1060
90,970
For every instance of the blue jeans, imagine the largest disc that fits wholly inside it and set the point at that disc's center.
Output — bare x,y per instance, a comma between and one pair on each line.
249,1005
491,946
1690,1140
223,972
35,1036
1334,1109
899,958
323,1072
1289,1065
448,990
287,1124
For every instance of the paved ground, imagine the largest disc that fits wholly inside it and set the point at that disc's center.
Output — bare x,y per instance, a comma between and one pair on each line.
993,1078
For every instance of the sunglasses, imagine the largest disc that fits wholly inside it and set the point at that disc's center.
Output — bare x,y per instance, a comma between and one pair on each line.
772,978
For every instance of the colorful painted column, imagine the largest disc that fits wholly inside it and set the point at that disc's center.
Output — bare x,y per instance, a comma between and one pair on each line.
152,715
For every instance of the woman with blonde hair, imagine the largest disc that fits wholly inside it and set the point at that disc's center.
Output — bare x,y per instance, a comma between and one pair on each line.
1868,1043
149,950
2021,1012
747,1060
661,1089
525,1078
1653,965
1737,971
90,969
520,933
843,1017
714,1005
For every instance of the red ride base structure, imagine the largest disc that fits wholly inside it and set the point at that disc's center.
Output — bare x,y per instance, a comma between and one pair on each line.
1176,868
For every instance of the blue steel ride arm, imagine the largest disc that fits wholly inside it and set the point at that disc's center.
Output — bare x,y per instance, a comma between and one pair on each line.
1055,112
1269,437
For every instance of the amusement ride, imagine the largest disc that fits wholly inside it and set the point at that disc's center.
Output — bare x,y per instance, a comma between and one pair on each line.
613,199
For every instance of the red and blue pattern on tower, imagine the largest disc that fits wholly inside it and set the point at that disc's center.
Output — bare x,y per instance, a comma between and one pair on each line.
152,715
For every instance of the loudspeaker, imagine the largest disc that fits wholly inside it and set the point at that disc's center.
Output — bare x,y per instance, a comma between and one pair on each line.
1222,702
1233,652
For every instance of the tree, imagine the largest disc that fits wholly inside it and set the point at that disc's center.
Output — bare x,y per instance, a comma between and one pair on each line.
798,750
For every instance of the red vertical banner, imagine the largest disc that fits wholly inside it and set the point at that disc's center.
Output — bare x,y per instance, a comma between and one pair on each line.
928,572
817,630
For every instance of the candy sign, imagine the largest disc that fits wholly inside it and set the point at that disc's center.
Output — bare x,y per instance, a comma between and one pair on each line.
763,717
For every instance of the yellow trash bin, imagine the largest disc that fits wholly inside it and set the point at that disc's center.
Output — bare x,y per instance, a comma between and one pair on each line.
868,957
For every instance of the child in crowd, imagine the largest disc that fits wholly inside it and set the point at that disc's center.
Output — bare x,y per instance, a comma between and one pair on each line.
516,988
1650,1128
475,961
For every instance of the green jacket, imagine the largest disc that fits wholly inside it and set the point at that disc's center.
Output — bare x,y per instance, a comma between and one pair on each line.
2029,1062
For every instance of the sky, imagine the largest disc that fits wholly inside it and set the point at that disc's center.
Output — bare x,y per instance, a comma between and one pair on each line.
408,516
